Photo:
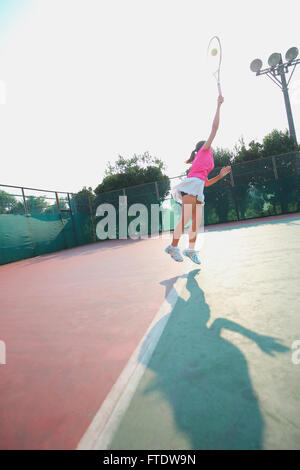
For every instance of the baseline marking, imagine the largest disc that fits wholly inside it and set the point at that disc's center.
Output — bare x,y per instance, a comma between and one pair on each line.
106,421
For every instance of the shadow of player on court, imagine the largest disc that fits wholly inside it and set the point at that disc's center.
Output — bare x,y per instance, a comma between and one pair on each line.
205,378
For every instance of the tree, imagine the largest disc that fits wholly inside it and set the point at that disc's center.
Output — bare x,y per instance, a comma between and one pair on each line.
131,172
136,171
82,203
242,154
274,143
137,162
277,142
142,178
82,200
53,209
10,205
223,157
36,205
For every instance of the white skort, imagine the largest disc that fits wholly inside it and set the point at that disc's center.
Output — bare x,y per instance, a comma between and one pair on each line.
193,186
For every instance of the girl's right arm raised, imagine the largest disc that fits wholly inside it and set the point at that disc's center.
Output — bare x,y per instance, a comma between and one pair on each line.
215,124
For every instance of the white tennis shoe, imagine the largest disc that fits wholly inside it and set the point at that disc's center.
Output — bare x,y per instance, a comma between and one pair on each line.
192,254
174,252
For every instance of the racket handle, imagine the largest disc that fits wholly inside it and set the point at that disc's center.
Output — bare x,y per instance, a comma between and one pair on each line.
219,88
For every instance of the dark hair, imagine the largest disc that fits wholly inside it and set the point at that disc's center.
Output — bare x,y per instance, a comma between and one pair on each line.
194,152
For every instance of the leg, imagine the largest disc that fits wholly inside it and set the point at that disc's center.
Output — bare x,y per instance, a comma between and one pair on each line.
188,202
196,221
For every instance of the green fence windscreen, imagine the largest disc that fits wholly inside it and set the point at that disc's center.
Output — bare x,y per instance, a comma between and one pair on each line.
35,222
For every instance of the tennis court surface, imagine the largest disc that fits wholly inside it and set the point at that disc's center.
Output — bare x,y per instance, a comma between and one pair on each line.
115,346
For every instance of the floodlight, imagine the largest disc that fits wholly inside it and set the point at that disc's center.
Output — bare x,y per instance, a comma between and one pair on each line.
291,54
274,59
256,65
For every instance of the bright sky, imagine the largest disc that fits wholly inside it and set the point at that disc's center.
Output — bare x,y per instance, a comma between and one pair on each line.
87,80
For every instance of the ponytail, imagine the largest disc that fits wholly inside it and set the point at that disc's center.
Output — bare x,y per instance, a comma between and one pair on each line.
194,152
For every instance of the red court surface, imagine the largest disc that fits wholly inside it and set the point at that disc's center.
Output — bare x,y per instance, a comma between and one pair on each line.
70,321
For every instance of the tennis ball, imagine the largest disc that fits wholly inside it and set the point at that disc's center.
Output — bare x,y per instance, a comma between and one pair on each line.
214,52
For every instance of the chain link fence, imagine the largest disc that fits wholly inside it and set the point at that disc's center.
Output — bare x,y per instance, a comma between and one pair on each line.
35,221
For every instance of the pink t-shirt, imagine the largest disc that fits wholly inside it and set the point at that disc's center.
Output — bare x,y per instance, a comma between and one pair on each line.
202,165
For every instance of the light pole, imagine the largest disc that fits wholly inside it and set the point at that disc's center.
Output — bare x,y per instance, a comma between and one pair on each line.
276,72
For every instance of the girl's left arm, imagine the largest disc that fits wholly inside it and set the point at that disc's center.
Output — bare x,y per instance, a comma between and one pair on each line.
224,171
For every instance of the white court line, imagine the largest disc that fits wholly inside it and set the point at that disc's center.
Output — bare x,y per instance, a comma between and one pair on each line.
100,433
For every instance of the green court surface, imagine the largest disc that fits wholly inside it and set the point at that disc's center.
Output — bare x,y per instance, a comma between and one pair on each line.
222,375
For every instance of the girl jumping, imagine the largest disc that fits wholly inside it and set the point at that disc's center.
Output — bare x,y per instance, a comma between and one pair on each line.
189,192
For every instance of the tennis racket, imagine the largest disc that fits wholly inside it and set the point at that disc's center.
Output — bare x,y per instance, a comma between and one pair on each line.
214,59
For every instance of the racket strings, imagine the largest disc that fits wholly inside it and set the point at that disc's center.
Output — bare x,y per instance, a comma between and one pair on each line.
214,57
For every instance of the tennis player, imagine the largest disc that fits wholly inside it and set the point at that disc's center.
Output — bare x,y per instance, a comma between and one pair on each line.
189,192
